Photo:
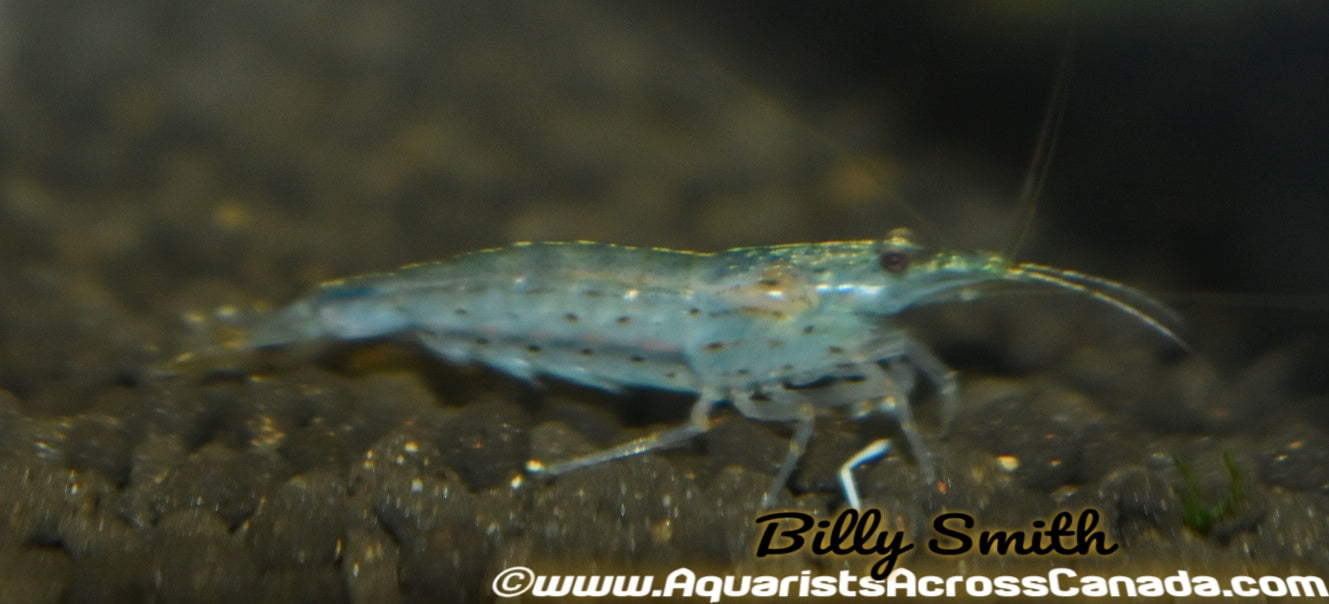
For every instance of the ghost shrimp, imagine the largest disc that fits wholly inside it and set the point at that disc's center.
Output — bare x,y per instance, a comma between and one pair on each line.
752,327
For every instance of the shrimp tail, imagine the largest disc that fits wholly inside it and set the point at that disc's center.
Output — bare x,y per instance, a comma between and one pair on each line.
296,323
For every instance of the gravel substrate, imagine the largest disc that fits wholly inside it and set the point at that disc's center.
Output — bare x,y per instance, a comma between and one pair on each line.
169,171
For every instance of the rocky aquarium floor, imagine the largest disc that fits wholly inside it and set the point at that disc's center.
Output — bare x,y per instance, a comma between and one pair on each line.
169,171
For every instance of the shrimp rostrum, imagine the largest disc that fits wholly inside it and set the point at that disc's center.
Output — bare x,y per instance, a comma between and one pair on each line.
752,327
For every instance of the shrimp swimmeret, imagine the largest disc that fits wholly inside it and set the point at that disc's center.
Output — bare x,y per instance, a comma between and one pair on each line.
749,326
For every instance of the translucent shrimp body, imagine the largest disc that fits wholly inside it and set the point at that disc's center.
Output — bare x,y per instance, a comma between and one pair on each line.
747,326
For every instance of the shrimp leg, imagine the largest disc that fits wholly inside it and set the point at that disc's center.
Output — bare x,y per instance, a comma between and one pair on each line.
783,405
882,391
699,422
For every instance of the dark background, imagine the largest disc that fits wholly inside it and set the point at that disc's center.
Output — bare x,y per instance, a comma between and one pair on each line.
1192,150
168,170
1191,160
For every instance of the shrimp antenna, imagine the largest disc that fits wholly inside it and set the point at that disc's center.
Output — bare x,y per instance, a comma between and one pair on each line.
1137,298
1094,287
1037,174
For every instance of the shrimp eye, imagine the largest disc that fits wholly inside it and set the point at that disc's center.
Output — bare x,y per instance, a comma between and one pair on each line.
894,261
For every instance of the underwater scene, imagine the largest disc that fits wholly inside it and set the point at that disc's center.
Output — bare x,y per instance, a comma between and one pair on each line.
202,399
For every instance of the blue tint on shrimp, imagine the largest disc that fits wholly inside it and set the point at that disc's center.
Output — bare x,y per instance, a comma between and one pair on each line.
746,326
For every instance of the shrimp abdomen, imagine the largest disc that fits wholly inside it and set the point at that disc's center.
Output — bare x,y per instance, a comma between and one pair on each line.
596,314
